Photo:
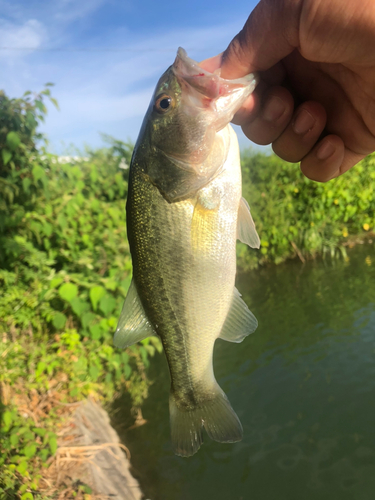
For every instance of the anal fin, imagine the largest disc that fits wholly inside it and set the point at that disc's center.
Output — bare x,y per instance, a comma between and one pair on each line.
240,321
133,324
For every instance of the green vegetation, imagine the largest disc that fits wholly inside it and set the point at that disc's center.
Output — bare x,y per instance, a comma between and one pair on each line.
65,270
296,216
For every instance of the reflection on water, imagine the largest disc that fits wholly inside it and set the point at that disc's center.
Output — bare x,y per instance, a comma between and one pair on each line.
303,386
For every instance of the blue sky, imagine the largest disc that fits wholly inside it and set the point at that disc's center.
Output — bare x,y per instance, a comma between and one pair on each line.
105,57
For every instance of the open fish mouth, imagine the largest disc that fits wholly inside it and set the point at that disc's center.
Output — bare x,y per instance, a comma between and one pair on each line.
207,90
211,85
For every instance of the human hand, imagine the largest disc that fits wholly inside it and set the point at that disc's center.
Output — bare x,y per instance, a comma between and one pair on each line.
316,99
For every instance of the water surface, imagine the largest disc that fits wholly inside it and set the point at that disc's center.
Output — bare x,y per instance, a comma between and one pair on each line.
303,386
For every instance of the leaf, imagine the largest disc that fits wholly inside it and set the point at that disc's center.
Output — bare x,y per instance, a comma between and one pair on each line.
40,368
96,293
47,229
23,488
157,344
94,372
6,155
107,304
96,332
29,435
29,450
79,306
125,284
30,120
53,444
22,468
62,221
13,140
39,104
26,183
127,371
145,360
68,291
14,439
7,419
59,321
80,365
43,454
38,172
39,431
87,318
27,496
55,282
86,489
54,102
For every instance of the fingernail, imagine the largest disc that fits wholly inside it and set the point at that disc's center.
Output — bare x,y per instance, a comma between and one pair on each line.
303,122
325,151
274,109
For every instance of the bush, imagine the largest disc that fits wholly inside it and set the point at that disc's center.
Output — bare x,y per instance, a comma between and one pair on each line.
64,272
294,215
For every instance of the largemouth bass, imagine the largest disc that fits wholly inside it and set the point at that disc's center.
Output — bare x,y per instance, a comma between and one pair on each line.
184,214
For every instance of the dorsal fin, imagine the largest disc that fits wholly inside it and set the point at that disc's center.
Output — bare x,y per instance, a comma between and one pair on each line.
240,321
246,231
133,324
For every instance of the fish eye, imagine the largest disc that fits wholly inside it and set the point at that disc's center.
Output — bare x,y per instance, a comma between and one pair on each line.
163,103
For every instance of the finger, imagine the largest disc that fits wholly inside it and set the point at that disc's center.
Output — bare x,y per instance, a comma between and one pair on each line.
272,118
274,75
251,108
326,160
350,160
254,49
302,132
211,64
346,113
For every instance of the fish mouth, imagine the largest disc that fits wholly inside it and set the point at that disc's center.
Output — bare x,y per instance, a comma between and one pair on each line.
211,85
208,91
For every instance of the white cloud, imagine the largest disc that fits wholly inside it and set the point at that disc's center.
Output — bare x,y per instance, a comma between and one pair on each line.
29,34
97,91
70,10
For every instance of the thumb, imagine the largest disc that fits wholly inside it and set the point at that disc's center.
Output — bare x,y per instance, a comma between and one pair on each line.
270,34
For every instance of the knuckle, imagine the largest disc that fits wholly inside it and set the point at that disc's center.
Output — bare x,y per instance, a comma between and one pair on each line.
236,53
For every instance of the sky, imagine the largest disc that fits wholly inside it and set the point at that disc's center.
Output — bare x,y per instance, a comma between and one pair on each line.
105,57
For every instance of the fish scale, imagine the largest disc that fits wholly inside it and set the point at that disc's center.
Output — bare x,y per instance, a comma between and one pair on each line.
184,214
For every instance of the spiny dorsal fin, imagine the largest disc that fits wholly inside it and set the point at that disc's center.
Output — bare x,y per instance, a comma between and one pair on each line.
133,325
240,321
246,231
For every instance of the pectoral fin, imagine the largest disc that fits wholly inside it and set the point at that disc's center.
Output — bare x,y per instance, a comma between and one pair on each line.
246,231
240,321
133,324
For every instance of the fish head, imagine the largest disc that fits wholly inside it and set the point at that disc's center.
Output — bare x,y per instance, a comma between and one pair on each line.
180,132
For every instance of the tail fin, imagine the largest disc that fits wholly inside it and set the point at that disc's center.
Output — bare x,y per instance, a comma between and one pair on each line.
215,415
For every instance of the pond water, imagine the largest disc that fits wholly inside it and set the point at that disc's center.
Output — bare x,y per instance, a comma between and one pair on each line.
303,386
